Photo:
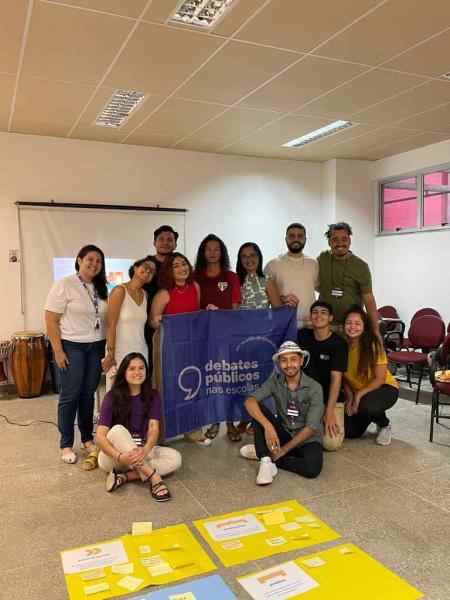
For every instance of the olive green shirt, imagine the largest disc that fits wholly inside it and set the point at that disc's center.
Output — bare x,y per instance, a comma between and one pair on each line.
351,275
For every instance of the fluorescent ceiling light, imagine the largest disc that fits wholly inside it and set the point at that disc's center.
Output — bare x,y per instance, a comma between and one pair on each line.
118,108
318,134
200,13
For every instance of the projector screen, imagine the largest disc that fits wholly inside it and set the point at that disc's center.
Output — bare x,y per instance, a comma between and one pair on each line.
51,238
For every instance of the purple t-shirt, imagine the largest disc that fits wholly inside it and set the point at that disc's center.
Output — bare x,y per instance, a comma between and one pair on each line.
138,425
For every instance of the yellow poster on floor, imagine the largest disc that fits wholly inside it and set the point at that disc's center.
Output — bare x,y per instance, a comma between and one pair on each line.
263,531
344,572
133,562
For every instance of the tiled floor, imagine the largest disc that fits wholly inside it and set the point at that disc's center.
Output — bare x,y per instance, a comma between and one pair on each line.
393,502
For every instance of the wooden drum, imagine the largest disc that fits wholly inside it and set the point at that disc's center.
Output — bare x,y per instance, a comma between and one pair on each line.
28,362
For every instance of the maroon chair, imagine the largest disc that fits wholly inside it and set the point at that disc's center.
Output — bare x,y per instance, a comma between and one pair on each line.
442,361
388,312
406,344
391,331
425,333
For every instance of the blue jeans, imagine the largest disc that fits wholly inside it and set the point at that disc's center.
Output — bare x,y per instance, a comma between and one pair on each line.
79,381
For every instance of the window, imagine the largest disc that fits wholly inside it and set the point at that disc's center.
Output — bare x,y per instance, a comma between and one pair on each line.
399,204
436,198
415,202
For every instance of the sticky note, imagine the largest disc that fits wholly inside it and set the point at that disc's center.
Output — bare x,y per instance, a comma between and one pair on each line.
314,525
130,583
290,526
185,596
144,549
93,574
274,518
185,565
285,509
346,550
141,528
94,589
306,519
315,561
156,559
232,545
160,569
276,541
123,569
301,536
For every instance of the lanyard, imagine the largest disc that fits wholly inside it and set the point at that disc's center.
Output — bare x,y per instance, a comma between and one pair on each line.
333,281
94,301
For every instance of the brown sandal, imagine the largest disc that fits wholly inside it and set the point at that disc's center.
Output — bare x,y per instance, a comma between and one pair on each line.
156,488
233,434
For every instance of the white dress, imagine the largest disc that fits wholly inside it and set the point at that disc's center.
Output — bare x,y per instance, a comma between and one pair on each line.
129,331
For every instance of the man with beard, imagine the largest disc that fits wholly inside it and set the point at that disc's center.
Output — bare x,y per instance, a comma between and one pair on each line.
344,279
295,274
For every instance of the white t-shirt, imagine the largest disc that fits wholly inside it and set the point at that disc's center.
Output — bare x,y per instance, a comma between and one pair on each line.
69,298
299,276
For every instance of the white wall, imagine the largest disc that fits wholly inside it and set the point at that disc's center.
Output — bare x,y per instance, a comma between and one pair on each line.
412,270
237,198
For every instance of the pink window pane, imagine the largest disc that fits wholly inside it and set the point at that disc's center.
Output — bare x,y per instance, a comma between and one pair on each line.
400,204
436,198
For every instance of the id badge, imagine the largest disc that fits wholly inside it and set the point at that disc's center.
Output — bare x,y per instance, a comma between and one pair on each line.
337,292
292,410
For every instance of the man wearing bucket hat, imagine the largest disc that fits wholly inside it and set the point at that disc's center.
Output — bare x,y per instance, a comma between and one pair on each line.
291,437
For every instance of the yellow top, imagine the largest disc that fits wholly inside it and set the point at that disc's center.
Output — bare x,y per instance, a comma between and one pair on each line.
352,377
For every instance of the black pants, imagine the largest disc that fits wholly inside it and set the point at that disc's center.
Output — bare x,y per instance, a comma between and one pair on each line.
372,409
305,460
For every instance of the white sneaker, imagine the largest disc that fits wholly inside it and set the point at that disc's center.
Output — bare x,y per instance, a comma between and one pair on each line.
384,436
248,452
267,471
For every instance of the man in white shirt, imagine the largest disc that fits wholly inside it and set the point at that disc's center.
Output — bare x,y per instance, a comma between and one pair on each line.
295,274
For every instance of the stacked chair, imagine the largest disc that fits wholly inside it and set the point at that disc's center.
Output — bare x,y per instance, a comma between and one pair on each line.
440,361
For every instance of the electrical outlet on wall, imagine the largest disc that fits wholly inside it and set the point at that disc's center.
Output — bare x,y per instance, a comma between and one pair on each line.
13,256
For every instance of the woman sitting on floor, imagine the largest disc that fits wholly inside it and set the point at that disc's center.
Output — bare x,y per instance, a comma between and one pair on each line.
128,429
370,388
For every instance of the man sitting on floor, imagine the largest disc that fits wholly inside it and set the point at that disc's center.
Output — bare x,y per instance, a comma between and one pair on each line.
290,438
328,355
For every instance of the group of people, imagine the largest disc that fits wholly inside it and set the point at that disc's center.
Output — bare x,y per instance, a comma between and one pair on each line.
330,382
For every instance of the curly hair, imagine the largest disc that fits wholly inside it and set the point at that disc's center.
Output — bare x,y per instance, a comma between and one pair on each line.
369,345
200,261
341,226
166,279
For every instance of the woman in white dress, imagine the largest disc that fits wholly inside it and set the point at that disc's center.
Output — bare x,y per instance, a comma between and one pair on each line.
126,318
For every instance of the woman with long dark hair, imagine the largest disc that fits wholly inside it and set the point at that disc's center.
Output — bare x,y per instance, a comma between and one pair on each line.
127,316
257,290
370,388
75,313
179,294
220,289
128,430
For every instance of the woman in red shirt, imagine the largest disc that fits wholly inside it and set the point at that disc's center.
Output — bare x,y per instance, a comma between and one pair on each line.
220,288
179,293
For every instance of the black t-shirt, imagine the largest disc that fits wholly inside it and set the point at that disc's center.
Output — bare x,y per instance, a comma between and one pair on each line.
325,356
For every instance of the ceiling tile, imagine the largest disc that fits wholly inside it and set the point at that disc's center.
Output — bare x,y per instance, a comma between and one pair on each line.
390,29
406,104
157,59
12,24
48,107
431,58
176,119
235,71
290,24
301,83
148,138
360,93
437,120
159,10
6,93
87,129
234,124
131,8
416,141
364,143
80,47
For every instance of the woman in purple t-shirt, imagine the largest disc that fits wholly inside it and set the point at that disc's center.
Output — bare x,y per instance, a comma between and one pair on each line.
128,430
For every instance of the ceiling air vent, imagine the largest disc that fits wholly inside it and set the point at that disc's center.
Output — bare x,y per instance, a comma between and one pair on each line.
118,108
201,13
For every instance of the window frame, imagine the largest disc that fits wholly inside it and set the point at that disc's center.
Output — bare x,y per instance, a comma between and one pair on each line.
420,227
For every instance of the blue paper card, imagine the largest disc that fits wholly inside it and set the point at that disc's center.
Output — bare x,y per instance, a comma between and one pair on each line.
201,589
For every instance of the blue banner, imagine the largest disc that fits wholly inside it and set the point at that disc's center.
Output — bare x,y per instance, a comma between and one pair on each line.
211,360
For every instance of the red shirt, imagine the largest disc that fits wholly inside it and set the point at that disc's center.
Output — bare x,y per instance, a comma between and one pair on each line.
182,300
223,291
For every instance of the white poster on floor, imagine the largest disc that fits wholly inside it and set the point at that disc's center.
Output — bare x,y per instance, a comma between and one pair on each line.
234,527
278,583
92,557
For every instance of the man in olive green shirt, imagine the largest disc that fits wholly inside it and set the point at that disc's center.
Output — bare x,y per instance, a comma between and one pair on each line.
344,279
